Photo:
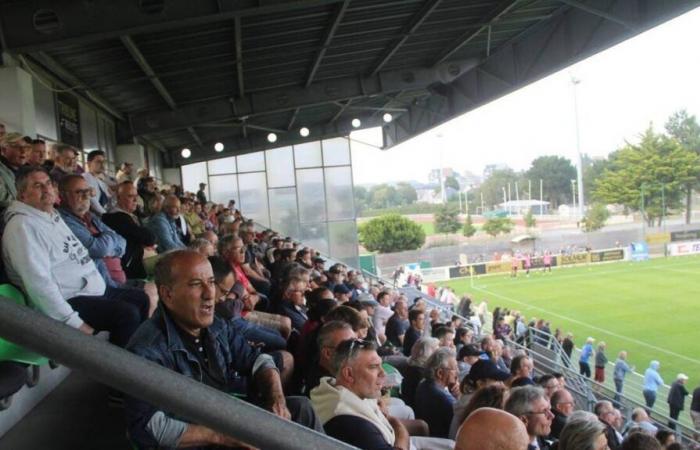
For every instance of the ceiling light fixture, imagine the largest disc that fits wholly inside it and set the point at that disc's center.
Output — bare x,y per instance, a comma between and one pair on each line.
219,147
272,138
186,153
356,123
387,117
304,131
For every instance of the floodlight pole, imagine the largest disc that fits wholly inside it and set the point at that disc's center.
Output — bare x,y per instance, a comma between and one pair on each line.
579,165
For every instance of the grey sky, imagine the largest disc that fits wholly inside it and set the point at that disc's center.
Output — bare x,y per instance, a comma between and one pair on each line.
622,90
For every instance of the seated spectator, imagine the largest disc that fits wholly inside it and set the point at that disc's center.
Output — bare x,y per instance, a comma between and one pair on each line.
45,259
211,237
492,429
492,396
203,246
415,369
500,352
254,270
191,211
164,227
293,304
101,199
640,441
185,336
397,325
336,276
382,314
606,414
14,151
146,187
482,374
434,397
467,356
549,384
583,432
37,156
329,337
530,405
341,293
446,336
65,163
665,438
416,320
562,403
124,173
521,369
347,405
139,238
463,336
640,421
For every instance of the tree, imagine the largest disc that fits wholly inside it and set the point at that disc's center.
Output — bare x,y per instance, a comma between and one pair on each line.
498,225
686,131
361,198
650,177
446,220
391,233
595,218
469,229
593,168
556,173
383,196
492,187
530,221
406,194
451,182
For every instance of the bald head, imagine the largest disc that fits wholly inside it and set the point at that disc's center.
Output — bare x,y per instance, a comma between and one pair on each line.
171,206
492,429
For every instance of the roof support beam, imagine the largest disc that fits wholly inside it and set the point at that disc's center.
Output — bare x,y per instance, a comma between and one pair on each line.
598,12
340,112
502,9
326,41
289,98
83,22
406,32
239,56
148,70
293,118
76,84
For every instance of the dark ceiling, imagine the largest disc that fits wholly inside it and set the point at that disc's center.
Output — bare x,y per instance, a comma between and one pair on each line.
185,73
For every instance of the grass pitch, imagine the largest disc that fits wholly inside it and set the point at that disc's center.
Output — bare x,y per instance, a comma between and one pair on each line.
651,309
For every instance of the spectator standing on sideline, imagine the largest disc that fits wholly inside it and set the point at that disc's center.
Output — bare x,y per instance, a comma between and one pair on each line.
652,382
586,353
621,370
568,344
695,411
600,361
676,399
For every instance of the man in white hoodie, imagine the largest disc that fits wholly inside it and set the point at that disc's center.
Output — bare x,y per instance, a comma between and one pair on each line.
53,268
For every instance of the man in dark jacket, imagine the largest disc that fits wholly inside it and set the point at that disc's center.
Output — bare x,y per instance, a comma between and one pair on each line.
184,336
138,237
416,319
676,399
563,405
606,414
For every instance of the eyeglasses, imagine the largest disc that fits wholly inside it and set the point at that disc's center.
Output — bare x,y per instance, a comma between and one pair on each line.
82,192
357,344
546,412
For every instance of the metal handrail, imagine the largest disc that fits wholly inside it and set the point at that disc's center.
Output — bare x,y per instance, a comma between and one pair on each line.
163,387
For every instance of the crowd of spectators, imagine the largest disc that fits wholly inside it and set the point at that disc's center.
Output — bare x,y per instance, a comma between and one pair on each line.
195,287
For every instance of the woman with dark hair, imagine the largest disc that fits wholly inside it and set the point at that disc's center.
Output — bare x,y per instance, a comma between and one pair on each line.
491,396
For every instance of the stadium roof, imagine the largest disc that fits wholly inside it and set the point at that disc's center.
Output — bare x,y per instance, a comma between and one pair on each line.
183,73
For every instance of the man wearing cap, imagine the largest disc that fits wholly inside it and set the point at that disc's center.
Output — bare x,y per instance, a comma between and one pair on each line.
14,151
319,264
468,355
124,173
676,399
341,293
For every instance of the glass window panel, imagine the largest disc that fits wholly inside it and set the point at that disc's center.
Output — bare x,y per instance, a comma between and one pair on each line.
45,110
315,235
222,165
251,162
223,188
283,211
336,152
307,155
280,167
252,188
312,202
343,242
88,127
339,196
192,175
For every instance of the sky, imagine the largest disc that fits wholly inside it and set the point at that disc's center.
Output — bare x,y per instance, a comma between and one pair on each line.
621,91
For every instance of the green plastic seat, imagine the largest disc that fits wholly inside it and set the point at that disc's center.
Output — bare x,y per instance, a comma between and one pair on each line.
10,351
390,372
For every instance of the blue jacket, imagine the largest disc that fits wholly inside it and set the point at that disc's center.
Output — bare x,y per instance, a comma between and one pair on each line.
652,379
158,341
434,405
586,353
107,243
166,233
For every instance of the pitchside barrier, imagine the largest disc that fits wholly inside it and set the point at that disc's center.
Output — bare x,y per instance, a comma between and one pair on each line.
537,263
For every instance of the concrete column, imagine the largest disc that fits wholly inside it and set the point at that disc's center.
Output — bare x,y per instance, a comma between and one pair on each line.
17,110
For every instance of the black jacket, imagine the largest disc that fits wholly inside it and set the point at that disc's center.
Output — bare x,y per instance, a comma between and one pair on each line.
676,395
137,237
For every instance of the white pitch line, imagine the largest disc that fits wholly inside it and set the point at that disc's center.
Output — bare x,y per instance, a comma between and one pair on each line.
602,330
